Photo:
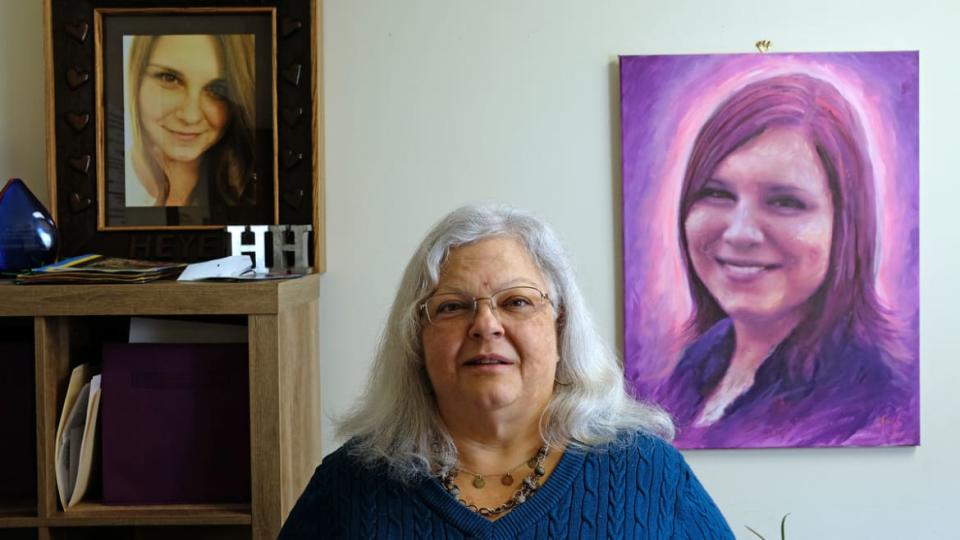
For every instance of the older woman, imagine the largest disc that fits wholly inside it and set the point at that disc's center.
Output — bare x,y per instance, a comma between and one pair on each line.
494,410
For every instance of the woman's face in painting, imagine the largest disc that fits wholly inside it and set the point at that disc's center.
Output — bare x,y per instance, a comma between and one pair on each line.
182,101
760,229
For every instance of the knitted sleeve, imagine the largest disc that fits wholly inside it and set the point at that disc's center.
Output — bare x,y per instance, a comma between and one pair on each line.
698,516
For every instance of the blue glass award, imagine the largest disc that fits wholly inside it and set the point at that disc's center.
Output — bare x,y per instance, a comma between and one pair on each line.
28,236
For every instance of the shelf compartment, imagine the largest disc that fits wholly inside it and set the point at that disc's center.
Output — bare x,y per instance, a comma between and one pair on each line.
18,451
226,532
15,514
20,532
69,323
17,508
96,514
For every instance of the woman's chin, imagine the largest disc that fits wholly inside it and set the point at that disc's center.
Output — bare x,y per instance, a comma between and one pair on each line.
183,157
754,315
183,153
489,399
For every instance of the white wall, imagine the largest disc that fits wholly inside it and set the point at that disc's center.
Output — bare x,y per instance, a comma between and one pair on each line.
435,103
22,143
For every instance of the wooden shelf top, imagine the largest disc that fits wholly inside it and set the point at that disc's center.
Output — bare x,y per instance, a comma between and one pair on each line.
93,513
17,515
157,298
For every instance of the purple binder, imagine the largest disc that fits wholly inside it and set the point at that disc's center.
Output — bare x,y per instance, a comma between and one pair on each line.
176,423
18,450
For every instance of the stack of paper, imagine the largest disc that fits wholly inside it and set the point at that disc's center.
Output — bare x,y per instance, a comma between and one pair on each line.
76,435
100,269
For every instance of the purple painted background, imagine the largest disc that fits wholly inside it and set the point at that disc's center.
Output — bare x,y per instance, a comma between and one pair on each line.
664,102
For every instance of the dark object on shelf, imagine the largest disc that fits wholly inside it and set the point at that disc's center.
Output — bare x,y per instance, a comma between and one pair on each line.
175,423
28,236
18,451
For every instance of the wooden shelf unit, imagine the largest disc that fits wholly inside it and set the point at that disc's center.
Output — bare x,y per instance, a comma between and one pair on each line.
284,414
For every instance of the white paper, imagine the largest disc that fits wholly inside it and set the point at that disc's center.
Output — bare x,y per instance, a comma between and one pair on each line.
82,470
69,459
227,267
76,388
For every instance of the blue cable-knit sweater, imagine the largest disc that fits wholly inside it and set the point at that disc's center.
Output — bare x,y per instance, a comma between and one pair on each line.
641,490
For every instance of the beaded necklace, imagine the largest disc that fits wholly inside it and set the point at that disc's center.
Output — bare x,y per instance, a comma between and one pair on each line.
506,479
529,485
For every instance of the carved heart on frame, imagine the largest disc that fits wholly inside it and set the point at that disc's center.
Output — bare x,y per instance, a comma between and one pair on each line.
77,121
291,158
291,74
79,203
294,197
77,30
76,78
80,163
291,115
288,26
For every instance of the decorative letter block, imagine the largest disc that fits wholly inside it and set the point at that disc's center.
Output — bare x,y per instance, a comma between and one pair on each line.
237,247
300,248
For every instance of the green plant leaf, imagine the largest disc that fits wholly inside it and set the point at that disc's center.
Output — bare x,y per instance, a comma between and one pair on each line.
760,536
783,527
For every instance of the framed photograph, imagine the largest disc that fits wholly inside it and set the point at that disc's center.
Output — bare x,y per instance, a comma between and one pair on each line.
189,116
169,120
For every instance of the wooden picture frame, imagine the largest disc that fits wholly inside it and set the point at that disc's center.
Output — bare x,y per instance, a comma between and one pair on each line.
197,107
271,176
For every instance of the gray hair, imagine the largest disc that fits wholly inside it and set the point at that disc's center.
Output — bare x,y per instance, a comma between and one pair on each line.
396,423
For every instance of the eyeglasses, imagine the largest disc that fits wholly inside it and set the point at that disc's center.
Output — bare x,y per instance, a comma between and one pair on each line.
508,305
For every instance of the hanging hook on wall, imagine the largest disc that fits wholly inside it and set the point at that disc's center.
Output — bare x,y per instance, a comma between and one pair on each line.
763,45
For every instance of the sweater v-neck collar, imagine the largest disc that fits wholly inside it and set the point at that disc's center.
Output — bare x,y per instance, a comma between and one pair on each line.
517,520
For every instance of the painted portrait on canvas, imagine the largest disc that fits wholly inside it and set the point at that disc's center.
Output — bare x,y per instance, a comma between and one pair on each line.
771,246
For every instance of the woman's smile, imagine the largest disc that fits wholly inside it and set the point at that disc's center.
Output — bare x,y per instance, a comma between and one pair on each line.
185,136
744,270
